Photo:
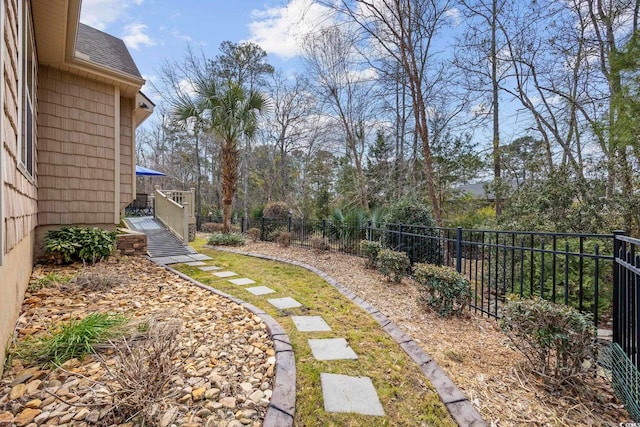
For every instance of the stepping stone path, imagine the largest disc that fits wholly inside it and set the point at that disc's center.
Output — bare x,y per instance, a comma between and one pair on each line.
331,349
341,393
225,274
242,282
283,303
260,290
196,263
310,324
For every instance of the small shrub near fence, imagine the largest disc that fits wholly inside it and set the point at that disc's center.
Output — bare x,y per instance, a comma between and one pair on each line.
226,239
442,289
556,339
253,234
319,243
284,239
371,251
393,264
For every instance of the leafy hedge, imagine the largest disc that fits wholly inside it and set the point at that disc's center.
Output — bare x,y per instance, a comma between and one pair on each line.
86,244
226,239
556,339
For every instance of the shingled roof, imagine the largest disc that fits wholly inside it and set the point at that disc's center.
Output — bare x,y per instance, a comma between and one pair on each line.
105,50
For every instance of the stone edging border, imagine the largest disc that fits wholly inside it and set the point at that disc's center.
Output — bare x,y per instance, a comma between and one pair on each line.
282,405
458,405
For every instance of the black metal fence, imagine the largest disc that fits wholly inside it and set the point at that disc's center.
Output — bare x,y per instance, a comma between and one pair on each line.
566,268
626,296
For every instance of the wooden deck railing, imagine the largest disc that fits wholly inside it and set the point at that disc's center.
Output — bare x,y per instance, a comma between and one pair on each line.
175,209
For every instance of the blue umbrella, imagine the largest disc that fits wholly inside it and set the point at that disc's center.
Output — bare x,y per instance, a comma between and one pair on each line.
142,171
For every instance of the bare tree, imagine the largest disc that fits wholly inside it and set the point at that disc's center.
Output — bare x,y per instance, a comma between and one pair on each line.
342,84
406,30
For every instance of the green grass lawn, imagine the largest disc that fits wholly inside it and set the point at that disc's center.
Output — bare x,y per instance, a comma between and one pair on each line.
405,393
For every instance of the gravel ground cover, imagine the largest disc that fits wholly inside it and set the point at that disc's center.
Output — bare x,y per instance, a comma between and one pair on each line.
223,353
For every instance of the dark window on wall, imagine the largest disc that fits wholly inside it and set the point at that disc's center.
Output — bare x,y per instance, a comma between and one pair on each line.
29,62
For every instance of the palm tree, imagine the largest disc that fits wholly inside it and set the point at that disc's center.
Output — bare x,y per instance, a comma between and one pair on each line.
187,113
231,113
234,114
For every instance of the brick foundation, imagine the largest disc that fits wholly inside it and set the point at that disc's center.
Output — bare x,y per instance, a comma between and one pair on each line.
132,243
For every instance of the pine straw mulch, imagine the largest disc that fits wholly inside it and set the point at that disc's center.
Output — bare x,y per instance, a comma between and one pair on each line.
471,349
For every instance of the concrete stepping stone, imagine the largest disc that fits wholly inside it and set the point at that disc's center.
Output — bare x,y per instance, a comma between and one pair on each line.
195,263
282,303
342,393
331,349
210,268
201,257
225,274
260,290
310,323
243,281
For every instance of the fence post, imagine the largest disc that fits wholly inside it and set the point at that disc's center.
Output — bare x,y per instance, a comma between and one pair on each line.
262,229
185,223
324,228
400,233
369,230
617,248
459,249
242,224
289,224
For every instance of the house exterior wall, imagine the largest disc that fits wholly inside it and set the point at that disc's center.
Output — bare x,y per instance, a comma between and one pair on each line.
76,153
127,153
18,211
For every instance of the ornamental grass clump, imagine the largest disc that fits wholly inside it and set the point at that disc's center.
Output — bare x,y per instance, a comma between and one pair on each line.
370,250
442,289
393,264
73,339
226,239
556,339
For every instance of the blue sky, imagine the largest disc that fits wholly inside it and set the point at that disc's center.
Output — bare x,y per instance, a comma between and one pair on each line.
159,30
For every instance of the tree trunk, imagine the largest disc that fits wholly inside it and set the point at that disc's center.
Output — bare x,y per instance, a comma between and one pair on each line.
230,161
496,117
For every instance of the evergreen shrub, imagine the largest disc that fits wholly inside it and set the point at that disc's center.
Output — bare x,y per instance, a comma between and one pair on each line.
393,264
556,339
416,219
442,289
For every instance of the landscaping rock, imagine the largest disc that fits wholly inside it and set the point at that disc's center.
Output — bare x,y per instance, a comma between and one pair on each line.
211,350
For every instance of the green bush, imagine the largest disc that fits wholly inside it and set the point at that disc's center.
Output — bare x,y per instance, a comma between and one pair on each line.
86,244
72,339
393,264
226,239
416,220
442,289
370,250
276,210
556,339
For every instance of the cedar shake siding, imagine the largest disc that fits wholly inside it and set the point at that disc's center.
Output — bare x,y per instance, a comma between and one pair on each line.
76,153
18,191
127,153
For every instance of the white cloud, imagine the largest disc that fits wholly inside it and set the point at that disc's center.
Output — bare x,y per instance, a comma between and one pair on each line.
100,13
177,34
453,14
281,30
134,36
